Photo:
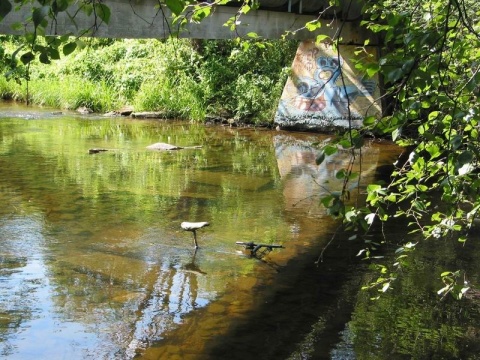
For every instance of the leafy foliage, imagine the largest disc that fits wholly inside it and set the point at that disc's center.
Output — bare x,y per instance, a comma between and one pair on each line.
430,66
182,78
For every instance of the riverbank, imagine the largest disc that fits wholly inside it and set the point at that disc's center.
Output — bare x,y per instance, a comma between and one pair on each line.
184,79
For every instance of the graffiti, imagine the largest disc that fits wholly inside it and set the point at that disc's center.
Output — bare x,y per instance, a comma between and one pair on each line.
326,92
308,59
323,89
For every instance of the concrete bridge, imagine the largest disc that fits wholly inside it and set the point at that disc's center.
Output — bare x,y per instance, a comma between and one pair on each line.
144,19
323,92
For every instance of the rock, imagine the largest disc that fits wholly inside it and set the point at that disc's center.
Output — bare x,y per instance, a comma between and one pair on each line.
214,119
96,151
232,122
192,226
84,110
125,111
163,146
149,115
169,147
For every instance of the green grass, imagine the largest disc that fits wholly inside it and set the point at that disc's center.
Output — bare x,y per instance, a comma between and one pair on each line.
176,77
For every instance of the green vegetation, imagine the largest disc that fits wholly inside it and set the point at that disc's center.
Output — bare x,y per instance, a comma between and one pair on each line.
182,78
430,66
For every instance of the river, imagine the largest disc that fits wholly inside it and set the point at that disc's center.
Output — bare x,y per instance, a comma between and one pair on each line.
94,263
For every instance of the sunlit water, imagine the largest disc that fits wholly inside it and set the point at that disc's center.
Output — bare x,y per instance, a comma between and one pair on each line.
94,264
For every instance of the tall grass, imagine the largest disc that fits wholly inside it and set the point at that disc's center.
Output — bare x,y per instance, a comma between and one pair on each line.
181,78
71,93
10,90
176,98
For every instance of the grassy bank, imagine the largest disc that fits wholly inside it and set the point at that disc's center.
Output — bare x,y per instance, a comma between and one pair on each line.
184,78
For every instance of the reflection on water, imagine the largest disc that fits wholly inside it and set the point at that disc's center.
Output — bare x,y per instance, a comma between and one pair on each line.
305,181
94,264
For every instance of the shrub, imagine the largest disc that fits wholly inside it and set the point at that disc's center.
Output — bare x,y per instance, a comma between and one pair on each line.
183,78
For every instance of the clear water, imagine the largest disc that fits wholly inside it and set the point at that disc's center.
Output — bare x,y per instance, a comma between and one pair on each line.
94,264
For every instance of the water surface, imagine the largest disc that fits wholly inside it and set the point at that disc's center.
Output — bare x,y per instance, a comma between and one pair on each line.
94,264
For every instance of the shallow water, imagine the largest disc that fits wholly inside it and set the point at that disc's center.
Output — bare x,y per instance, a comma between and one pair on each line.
94,264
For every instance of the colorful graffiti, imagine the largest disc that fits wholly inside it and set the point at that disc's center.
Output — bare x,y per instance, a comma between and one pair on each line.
324,90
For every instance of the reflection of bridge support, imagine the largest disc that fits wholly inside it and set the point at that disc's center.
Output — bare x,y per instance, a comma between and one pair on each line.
305,181
325,91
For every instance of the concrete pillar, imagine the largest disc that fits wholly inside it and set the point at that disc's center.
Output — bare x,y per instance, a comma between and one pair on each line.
325,91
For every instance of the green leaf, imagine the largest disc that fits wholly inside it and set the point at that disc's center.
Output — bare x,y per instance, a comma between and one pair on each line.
327,200
54,54
69,48
373,187
87,8
394,75
313,25
407,65
27,57
433,149
464,161
201,13
456,142
60,5
330,150
340,174
433,115
39,14
369,120
44,58
320,158
465,157
103,12
176,6
320,38
372,69
5,8
345,143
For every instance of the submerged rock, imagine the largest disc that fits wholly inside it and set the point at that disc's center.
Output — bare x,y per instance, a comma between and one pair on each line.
163,146
96,151
84,110
169,147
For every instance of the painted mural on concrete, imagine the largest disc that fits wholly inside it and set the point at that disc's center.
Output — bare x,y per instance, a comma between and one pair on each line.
325,91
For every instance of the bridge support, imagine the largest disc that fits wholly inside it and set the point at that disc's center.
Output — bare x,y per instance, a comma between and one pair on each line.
325,91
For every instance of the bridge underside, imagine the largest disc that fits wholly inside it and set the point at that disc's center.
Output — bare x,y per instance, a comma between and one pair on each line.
143,19
347,10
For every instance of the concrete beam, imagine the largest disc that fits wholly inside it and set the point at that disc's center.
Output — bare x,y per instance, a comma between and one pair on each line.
143,19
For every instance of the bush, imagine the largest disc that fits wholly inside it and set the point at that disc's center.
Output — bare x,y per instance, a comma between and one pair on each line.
183,78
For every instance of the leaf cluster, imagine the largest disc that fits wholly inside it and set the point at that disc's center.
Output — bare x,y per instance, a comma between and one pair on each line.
430,66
